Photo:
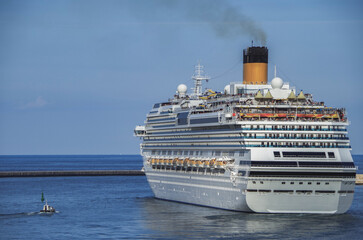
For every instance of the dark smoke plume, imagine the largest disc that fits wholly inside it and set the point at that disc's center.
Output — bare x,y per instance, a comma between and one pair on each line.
226,20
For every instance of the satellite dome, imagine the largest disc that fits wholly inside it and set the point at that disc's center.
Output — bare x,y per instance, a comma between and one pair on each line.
277,83
182,88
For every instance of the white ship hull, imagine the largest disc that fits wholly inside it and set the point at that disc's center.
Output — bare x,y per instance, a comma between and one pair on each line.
251,194
205,192
211,191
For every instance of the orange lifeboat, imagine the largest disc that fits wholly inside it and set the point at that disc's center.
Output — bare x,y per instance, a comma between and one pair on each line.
212,162
266,114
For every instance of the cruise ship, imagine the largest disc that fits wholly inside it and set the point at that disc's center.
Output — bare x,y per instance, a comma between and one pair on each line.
257,146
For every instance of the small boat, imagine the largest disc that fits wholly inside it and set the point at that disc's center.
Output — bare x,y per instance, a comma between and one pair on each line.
47,208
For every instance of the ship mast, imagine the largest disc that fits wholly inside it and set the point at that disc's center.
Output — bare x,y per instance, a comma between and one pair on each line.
198,78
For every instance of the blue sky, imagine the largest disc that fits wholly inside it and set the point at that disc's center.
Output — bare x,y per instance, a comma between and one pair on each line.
77,76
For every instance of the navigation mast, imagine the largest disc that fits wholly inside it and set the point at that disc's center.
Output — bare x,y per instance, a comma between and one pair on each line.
198,78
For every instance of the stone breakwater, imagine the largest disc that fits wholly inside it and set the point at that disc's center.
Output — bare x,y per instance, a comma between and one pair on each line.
359,179
72,173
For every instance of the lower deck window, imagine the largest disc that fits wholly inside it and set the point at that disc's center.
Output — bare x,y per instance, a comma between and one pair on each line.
277,154
304,191
251,190
283,191
263,190
324,191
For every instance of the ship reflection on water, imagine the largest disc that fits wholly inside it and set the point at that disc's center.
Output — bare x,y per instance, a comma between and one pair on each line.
175,220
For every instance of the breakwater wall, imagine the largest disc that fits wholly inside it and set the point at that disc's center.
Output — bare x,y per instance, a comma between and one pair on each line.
72,173
359,179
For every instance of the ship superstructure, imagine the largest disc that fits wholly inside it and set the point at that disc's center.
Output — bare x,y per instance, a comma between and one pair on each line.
258,146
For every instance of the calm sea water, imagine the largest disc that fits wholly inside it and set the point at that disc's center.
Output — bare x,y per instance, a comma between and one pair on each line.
123,207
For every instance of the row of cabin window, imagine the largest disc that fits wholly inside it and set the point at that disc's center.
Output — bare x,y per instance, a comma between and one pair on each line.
292,127
198,153
301,144
309,183
292,183
293,135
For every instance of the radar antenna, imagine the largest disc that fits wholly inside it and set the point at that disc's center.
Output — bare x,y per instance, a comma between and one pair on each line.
198,78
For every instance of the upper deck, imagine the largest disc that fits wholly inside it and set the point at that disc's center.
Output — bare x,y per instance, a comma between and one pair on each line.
274,104
245,107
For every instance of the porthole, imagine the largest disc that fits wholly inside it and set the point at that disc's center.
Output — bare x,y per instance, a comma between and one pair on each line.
291,182
300,183
318,183
283,183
